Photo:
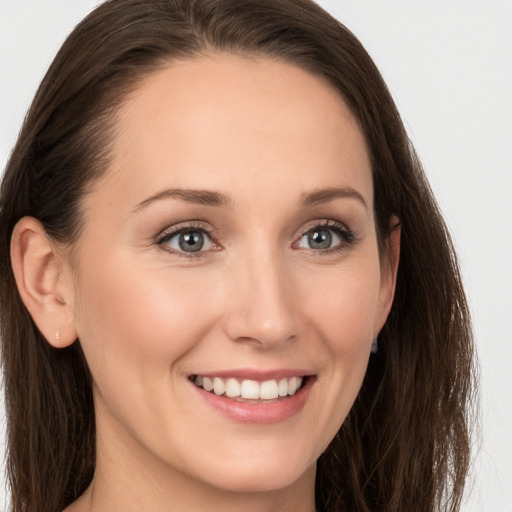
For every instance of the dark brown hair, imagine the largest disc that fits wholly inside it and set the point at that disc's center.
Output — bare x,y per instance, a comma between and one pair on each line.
405,444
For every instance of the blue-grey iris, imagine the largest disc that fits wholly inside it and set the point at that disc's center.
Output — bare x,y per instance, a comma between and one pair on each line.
191,241
320,239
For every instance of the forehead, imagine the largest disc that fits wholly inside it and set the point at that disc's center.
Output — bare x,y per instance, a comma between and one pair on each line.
226,122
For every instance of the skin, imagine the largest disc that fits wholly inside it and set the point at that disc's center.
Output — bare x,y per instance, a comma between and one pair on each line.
263,133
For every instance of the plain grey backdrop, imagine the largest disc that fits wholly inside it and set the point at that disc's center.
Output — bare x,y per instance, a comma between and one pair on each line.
448,64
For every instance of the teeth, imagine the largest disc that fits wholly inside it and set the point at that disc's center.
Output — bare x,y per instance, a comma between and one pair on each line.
250,389
218,386
282,387
293,385
269,390
207,383
232,388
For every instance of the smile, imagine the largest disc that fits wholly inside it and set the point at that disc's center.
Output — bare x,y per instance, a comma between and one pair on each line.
248,389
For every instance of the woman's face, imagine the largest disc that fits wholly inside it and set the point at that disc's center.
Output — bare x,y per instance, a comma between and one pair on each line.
230,244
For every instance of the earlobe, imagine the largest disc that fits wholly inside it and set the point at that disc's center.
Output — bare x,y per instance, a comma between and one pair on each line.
45,291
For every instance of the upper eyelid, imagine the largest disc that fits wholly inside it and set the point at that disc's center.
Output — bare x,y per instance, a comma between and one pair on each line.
323,223
202,226
184,227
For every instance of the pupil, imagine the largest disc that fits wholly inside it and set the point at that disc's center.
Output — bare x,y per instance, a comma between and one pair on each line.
320,239
192,241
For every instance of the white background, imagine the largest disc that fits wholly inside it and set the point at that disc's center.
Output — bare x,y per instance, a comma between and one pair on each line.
448,64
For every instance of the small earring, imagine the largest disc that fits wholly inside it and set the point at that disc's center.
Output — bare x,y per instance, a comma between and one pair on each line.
57,335
375,346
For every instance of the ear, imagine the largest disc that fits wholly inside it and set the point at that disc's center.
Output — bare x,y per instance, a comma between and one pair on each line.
389,270
43,286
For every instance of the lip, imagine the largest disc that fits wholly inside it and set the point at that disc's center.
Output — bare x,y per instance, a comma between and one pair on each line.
258,413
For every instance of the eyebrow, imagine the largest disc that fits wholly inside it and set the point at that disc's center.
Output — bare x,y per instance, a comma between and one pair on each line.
217,199
324,195
197,196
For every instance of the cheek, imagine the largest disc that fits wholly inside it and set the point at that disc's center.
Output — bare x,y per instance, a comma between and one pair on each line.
136,329
129,322
345,307
342,313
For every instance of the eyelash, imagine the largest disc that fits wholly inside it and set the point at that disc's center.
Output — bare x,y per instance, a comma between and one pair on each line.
346,236
169,234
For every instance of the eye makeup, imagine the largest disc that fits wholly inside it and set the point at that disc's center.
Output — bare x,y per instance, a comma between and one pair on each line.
194,239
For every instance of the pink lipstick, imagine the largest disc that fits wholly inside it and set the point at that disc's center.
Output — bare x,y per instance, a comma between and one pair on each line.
251,396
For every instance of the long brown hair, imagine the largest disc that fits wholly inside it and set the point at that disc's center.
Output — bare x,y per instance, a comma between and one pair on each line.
405,444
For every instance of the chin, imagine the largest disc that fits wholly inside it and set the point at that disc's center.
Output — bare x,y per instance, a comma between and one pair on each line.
261,478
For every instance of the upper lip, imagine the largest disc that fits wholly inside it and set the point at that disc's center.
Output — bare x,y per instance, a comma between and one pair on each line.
257,374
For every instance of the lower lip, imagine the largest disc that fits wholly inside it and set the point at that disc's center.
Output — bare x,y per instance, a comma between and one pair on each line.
258,413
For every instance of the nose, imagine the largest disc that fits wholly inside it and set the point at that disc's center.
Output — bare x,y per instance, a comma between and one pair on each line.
261,305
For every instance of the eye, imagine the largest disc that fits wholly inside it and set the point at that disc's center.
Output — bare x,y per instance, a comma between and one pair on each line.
319,238
325,237
187,240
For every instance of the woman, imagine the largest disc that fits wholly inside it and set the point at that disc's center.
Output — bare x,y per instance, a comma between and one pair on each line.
211,213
